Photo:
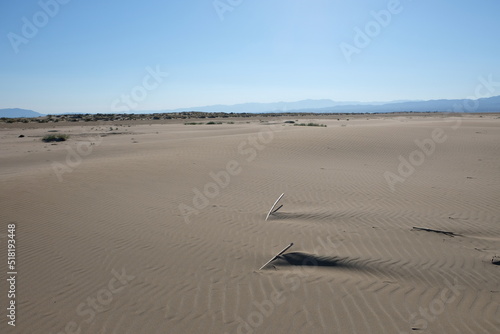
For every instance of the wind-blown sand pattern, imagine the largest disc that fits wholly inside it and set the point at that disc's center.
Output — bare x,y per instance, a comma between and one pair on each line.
111,234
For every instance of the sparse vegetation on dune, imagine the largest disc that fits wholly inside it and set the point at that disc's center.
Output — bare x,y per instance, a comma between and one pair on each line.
310,124
58,137
156,116
208,123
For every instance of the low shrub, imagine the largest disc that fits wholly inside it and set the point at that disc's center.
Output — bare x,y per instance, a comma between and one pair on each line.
58,137
310,124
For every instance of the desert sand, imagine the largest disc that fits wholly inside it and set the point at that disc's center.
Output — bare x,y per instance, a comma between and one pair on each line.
160,228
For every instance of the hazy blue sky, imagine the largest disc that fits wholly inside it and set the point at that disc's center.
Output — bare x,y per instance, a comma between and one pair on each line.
86,55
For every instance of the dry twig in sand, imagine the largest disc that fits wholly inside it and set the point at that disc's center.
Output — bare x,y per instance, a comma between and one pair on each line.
271,211
276,256
451,234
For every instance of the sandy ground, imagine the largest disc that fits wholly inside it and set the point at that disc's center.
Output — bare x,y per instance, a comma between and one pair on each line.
160,228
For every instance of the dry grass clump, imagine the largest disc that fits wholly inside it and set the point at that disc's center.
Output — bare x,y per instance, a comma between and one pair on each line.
310,124
57,137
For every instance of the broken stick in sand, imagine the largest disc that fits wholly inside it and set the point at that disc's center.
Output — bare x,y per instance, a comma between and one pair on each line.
276,256
271,211
279,207
451,234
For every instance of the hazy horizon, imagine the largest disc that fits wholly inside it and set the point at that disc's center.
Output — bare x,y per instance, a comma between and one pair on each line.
489,104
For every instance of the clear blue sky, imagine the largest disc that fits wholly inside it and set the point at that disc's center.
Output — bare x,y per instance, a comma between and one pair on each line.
90,53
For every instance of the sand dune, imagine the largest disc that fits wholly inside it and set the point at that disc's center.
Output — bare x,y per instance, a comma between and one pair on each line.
160,228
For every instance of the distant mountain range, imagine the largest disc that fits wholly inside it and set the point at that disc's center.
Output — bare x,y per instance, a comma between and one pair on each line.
16,112
490,104
273,107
